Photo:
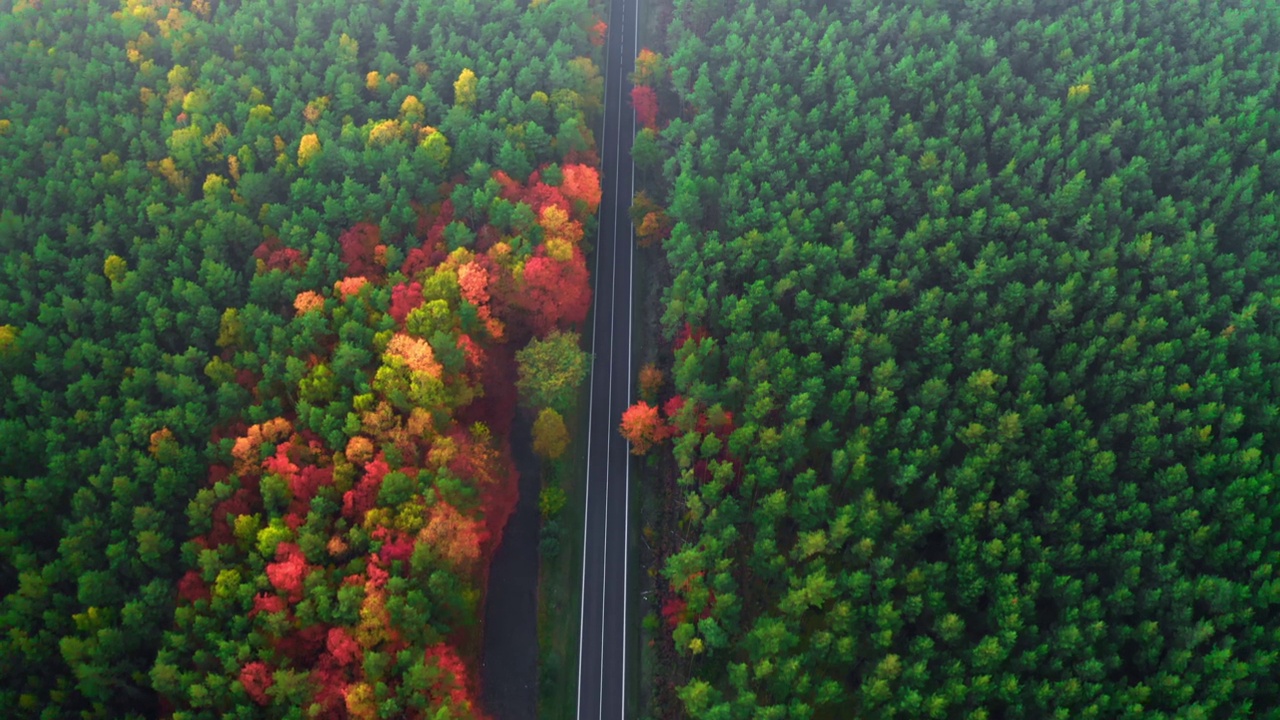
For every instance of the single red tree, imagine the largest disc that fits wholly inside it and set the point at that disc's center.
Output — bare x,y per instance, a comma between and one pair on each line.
359,249
556,294
256,679
404,300
645,101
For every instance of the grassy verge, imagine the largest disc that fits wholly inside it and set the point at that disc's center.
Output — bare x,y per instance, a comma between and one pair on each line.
560,575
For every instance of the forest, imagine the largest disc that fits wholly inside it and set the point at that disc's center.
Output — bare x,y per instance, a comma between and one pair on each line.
274,277
972,362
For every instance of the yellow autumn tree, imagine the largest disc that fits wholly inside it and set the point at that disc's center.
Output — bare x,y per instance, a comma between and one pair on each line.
412,110
436,147
114,268
464,89
550,436
308,149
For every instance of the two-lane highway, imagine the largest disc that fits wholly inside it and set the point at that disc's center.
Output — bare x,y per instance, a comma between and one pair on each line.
604,644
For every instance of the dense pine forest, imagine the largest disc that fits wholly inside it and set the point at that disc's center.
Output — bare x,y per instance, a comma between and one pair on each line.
973,403
273,278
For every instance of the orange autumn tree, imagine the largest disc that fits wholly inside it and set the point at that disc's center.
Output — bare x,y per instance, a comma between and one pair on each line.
643,427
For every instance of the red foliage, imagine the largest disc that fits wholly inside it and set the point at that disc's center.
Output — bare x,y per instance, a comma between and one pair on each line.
256,679
557,294
246,379
360,499
244,501
359,249
542,195
288,574
191,588
275,256
673,405
343,647
304,486
404,300
280,464
582,183
453,681
645,101
598,32
473,352
303,647
687,333
673,610
400,548
267,603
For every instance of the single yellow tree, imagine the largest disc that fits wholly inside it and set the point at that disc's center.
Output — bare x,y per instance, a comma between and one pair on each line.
550,436
464,89
114,268
308,149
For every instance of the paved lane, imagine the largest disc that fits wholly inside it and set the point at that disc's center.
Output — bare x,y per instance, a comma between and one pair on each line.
603,640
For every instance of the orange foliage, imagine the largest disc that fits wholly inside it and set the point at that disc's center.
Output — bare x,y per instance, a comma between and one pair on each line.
648,66
416,353
581,182
347,287
455,536
650,382
307,301
473,282
642,427
359,450
161,440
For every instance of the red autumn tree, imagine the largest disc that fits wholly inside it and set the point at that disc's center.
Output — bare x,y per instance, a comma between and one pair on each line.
359,250
556,294
288,574
645,101
256,679
581,183
643,427
598,32
404,300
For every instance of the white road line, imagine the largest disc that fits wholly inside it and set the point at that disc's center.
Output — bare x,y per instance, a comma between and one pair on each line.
631,291
591,393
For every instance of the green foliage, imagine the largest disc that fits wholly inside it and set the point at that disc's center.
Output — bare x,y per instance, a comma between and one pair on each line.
989,289
171,178
551,371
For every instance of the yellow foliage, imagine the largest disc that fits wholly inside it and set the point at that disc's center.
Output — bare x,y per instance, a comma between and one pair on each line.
437,147
214,184
260,112
411,109
550,436
372,80
384,133
179,77
316,108
464,89
308,149
8,337
220,133
233,167
114,268
169,171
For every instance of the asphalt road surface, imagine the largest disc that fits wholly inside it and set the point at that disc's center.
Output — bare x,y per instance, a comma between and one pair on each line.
605,640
